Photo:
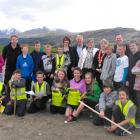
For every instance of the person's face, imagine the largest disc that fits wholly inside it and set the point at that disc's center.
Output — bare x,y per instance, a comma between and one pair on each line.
17,76
61,75
66,43
77,74
122,96
133,47
37,47
88,79
107,90
121,51
48,50
40,78
60,50
14,41
79,41
103,45
90,44
25,50
108,50
119,39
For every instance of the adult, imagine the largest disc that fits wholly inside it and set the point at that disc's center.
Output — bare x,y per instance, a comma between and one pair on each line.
119,40
77,51
99,59
87,57
10,54
68,52
36,55
133,58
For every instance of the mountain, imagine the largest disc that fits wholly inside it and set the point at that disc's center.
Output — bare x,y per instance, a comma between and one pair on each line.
46,35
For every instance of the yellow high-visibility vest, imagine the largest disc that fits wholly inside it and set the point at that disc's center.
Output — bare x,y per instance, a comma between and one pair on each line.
18,93
73,97
60,61
41,90
125,110
57,98
1,87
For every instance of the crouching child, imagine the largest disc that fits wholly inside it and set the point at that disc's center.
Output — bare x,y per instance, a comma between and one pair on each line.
106,102
123,114
18,98
42,93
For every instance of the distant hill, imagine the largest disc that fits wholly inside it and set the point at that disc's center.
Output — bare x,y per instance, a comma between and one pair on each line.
45,35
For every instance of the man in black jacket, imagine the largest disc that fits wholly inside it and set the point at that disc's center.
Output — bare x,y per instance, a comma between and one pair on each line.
10,54
77,51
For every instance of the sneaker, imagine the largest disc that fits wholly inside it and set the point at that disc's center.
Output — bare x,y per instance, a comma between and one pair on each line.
71,119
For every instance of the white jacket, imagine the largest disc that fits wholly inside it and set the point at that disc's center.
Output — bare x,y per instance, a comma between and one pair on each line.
83,56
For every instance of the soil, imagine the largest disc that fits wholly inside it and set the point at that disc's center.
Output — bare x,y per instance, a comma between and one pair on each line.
46,126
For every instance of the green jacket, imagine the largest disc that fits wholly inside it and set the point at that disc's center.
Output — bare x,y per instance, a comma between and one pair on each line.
96,92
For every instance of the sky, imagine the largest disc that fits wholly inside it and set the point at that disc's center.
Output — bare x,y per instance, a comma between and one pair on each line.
72,15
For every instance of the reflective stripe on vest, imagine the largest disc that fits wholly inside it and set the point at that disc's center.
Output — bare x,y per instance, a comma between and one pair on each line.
40,90
57,98
1,87
20,93
59,61
73,97
125,110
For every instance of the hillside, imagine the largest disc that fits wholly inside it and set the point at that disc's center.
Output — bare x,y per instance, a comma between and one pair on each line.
55,37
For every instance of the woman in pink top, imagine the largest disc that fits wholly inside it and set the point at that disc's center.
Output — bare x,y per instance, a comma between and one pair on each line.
77,84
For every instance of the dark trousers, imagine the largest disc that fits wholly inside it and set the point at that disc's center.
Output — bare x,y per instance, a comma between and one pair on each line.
89,102
100,121
7,77
117,85
20,108
57,109
37,105
138,106
97,76
28,84
85,70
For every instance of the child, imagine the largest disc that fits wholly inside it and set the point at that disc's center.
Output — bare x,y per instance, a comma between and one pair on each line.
48,64
17,95
77,88
123,114
59,88
1,66
25,65
36,55
109,65
62,61
91,98
121,68
42,93
136,71
106,102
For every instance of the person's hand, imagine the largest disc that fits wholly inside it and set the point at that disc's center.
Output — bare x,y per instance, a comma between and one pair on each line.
102,114
112,128
51,76
99,70
127,83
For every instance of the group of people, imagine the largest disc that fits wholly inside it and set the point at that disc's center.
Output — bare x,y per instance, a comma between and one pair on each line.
106,78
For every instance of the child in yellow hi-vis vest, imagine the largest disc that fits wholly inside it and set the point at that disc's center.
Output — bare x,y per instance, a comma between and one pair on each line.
18,98
123,114
59,89
42,93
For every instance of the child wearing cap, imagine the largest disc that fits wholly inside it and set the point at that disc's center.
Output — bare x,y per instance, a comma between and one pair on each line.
106,101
